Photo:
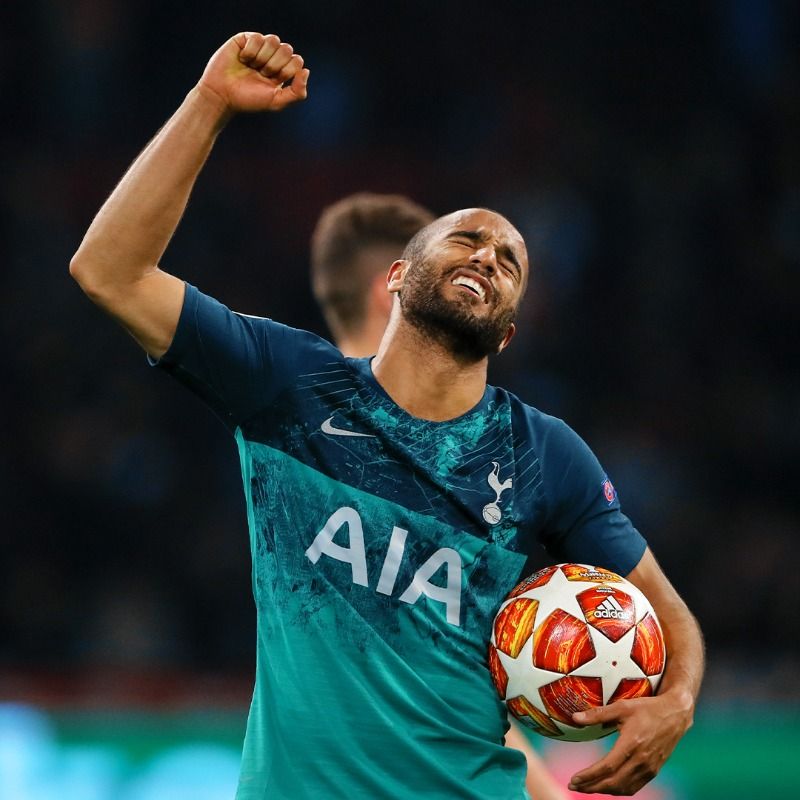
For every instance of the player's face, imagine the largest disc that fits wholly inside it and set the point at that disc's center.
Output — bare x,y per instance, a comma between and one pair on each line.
465,288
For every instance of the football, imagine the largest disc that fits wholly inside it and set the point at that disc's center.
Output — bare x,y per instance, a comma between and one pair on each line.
571,637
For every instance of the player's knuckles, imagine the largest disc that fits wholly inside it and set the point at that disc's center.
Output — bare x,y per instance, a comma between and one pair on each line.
252,44
284,73
291,69
279,59
270,45
634,741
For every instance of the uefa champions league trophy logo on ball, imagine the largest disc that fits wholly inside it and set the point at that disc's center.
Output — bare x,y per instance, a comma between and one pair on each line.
491,511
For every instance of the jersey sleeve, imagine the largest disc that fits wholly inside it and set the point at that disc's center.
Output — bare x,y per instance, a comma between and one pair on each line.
235,363
584,521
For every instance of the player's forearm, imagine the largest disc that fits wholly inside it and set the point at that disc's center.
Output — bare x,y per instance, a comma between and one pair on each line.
684,641
683,674
133,227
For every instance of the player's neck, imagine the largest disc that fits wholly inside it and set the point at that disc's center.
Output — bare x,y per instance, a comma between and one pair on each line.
424,378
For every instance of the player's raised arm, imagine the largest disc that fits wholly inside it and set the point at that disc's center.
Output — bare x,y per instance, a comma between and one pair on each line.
117,262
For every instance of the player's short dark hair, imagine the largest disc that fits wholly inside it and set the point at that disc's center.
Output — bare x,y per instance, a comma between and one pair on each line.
345,229
419,241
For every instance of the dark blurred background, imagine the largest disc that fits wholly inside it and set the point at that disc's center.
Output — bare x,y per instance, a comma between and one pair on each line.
649,152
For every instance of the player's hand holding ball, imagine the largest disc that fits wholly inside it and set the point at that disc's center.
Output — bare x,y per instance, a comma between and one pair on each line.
254,72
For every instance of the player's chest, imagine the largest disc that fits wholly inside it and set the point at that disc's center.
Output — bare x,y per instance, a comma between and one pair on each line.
464,473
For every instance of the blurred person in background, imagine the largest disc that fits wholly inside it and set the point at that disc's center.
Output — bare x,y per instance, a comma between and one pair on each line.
354,242
383,441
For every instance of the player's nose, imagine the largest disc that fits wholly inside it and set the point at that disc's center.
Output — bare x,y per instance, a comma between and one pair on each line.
485,258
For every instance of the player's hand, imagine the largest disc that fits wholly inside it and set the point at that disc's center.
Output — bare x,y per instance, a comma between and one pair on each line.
254,72
649,729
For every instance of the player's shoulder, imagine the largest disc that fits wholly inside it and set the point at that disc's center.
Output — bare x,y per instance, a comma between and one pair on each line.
216,313
549,436
527,418
310,344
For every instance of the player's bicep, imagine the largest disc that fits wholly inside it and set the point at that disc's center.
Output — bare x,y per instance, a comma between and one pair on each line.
648,576
149,309
586,523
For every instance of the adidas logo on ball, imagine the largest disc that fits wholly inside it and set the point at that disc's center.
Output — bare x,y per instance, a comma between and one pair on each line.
610,609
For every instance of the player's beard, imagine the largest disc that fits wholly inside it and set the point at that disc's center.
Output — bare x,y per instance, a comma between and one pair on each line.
451,323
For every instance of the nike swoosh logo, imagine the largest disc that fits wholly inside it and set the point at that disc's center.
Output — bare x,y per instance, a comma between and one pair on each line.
328,427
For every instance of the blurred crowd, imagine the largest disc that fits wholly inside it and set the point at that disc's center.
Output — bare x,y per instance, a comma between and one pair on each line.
650,154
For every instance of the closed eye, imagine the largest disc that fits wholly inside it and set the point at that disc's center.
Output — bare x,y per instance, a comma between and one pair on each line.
467,238
510,263
511,269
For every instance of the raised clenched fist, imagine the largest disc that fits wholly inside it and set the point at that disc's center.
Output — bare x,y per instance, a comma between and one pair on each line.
255,72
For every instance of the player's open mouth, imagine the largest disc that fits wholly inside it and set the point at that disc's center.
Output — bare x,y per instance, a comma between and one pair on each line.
471,284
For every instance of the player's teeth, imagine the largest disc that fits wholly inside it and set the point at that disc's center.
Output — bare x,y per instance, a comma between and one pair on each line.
462,280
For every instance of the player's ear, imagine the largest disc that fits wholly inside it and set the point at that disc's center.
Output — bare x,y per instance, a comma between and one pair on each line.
512,329
397,272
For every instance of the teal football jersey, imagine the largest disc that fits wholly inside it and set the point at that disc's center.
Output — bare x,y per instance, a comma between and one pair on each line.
382,546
